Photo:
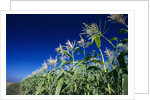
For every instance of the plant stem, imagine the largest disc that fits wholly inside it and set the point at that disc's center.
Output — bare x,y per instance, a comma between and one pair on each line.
62,59
84,50
103,60
105,71
108,41
87,89
111,43
73,57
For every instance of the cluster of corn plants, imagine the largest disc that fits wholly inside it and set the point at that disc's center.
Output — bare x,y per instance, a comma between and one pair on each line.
92,75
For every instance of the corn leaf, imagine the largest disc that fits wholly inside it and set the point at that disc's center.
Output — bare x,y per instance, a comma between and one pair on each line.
54,82
96,61
76,49
67,53
125,84
114,38
80,52
59,86
124,41
97,40
123,31
62,63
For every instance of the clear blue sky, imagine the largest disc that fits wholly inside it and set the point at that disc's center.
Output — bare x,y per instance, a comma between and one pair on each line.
32,38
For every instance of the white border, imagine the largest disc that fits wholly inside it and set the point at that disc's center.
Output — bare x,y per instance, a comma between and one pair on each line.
130,57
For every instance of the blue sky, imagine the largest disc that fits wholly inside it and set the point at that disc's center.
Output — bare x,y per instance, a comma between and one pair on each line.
32,38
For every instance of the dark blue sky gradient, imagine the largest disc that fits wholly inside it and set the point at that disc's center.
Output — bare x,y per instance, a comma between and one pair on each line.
32,38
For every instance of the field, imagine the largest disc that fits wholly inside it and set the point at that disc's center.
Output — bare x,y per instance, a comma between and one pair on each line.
98,72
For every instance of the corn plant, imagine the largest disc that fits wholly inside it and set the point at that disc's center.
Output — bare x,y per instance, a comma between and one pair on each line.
92,75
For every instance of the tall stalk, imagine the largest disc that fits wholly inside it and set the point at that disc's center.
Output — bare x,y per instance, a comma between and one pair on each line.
62,60
105,71
103,60
73,57
84,51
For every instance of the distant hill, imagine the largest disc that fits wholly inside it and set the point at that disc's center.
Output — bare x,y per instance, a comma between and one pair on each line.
8,84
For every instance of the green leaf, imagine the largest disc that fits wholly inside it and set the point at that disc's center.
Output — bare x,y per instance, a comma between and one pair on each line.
78,63
80,52
54,82
93,51
96,61
71,62
74,76
67,53
97,40
121,61
123,31
92,67
62,63
119,45
95,91
70,72
90,57
39,88
90,43
76,49
125,84
124,41
59,86
77,71
114,38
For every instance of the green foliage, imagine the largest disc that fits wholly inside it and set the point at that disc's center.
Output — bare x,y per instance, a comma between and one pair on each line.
125,84
76,49
92,75
123,31
114,38
55,80
124,41
67,53
97,40
59,86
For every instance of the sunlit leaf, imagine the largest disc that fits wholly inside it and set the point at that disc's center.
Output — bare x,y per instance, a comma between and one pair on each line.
123,31
80,52
96,61
114,38
59,86
62,63
67,53
97,40
76,49
54,82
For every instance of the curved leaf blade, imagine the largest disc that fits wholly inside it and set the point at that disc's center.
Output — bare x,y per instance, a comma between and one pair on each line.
123,31
76,49
54,82
124,41
59,86
114,38
96,61
67,53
